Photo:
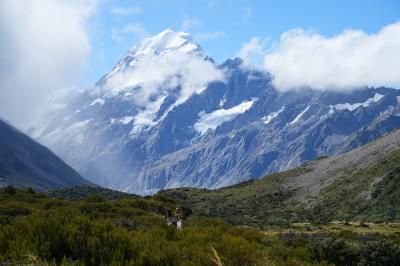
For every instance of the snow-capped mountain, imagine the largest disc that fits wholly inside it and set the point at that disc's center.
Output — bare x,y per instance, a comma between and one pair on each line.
167,116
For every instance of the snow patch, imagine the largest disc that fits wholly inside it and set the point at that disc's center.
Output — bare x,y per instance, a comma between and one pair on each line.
267,119
222,102
216,118
97,101
126,120
147,117
78,124
354,106
300,115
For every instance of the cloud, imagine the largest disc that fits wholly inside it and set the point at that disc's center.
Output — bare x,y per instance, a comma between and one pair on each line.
123,11
253,52
192,72
206,36
247,14
352,59
129,33
44,46
189,23
211,3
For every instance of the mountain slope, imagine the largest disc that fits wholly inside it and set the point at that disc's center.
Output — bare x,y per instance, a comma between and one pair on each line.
166,116
361,184
25,163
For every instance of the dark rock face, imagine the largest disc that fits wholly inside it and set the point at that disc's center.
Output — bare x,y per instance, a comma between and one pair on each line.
234,130
25,163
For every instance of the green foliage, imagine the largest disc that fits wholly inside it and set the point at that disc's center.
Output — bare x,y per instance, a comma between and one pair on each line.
37,230
10,190
129,231
81,192
371,195
262,203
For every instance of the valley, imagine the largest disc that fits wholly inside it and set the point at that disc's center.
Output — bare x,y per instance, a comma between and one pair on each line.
199,133
330,211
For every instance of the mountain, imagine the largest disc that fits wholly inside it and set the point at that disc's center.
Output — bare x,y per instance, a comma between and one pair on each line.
25,163
362,184
167,116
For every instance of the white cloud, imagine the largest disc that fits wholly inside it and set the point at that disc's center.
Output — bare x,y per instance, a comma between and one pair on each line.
253,52
346,61
44,46
206,36
211,3
117,36
123,11
129,33
247,14
189,23
193,73
135,28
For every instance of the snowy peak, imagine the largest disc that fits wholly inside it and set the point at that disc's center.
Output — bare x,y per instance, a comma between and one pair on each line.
167,43
168,47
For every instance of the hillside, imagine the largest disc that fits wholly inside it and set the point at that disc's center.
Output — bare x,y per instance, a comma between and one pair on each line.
25,163
362,184
81,192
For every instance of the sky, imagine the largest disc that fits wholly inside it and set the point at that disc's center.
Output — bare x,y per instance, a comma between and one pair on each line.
51,45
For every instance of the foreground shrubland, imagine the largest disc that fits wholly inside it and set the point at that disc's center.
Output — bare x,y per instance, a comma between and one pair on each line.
36,229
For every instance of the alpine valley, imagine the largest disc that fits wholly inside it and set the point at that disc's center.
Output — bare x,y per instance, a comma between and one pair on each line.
168,116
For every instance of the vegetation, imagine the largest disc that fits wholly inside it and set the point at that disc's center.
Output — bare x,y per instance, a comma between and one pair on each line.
261,203
372,195
38,230
259,222
81,192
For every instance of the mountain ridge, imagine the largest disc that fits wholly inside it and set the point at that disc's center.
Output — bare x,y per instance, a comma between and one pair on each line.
163,131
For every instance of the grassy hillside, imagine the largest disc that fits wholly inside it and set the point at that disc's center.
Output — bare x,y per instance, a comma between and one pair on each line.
81,192
360,185
38,230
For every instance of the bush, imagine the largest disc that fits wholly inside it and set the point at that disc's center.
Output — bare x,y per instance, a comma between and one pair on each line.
334,250
380,252
10,190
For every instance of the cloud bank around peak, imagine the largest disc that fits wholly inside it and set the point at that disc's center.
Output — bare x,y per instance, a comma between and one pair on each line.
349,60
44,46
191,72
253,52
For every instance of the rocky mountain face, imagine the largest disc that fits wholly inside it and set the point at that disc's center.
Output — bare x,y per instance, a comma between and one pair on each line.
25,163
166,116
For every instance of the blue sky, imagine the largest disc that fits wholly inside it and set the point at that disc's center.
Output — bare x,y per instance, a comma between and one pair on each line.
222,26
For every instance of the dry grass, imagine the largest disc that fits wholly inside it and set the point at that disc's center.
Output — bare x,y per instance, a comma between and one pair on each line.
216,259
